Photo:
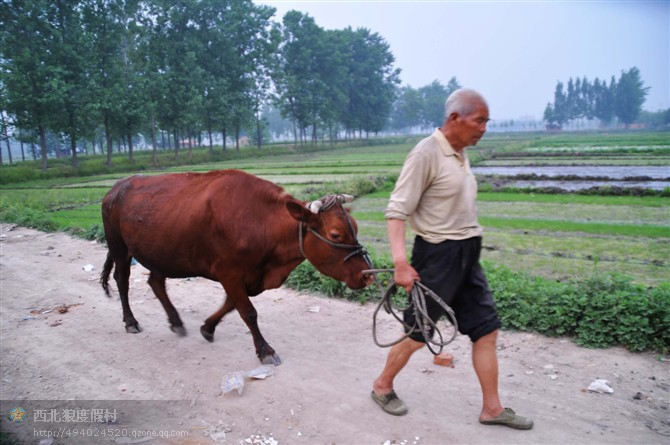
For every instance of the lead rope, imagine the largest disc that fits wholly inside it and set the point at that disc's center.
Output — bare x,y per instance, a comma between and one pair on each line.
422,322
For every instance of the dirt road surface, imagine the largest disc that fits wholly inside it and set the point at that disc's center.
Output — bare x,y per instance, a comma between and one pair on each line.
63,341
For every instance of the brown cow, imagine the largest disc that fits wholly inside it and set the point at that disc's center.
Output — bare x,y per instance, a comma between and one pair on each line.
228,226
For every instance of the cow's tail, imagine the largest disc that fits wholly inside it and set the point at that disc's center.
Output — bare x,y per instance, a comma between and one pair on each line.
106,271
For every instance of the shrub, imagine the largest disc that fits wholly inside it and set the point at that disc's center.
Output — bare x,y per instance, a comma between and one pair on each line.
27,217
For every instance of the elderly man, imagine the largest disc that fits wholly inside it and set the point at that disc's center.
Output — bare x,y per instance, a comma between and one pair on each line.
436,192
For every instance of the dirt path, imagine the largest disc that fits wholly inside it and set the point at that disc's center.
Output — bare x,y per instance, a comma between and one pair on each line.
62,339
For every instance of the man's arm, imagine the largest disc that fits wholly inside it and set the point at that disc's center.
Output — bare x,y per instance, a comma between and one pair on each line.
405,275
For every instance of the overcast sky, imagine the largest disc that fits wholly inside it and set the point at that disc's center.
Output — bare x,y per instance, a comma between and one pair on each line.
513,52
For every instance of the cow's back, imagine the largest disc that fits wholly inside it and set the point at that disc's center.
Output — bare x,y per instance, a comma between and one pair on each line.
188,224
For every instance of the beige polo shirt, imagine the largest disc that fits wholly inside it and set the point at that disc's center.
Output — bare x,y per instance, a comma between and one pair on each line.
437,192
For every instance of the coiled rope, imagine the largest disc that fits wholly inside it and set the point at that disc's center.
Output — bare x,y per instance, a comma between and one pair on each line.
422,322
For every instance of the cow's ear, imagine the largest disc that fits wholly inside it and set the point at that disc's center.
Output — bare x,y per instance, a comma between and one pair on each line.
299,212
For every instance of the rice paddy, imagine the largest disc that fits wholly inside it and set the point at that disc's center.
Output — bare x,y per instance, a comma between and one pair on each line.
553,235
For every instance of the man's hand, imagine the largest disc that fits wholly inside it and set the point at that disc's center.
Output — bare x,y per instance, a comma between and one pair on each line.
405,275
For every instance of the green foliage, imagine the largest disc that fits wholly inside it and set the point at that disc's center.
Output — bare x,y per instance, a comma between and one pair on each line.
598,311
583,99
629,95
96,232
358,186
27,217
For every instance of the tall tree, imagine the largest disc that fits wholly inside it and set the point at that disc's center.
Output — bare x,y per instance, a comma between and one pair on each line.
297,73
433,98
407,109
629,96
561,106
175,50
34,92
72,58
372,81
603,106
253,39
106,24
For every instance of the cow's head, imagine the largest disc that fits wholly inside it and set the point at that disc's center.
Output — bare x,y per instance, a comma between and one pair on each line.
327,238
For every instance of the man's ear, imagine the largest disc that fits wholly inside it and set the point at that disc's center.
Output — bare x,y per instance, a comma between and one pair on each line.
299,212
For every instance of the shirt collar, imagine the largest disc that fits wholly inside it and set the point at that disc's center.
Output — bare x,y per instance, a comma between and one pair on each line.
444,143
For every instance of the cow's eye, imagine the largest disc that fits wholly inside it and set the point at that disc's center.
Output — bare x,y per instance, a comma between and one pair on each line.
335,236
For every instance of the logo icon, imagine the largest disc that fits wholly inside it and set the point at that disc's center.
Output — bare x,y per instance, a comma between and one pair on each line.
17,415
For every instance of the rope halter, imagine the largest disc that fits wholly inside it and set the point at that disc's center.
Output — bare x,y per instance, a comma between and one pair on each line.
322,205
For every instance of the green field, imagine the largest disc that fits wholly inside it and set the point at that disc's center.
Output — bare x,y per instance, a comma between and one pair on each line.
552,235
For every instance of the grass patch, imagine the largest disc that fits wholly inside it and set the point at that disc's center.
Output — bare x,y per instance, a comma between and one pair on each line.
571,226
638,201
527,224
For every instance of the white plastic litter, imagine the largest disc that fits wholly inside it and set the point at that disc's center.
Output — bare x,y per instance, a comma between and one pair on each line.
89,268
235,380
601,386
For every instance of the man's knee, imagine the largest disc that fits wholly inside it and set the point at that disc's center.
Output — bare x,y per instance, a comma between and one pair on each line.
413,345
491,337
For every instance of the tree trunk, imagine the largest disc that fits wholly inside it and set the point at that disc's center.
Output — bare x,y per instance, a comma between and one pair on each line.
73,149
23,153
176,145
108,138
130,148
237,137
314,140
258,131
223,134
154,158
209,133
295,126
43,146
189,134
9,149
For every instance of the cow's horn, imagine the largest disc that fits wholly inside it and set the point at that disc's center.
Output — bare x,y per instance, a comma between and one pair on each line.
314,206
344,198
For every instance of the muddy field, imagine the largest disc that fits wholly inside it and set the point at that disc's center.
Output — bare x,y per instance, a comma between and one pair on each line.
63,347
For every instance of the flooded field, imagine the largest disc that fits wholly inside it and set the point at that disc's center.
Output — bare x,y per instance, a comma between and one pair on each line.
612,172
584,185
649,177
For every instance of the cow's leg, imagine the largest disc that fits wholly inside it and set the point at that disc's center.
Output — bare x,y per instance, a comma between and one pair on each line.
264,351
207,329
157,283
122,277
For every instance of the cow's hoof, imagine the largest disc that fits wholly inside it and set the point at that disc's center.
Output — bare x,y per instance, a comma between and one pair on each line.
207,335
133,329
271,360
179,330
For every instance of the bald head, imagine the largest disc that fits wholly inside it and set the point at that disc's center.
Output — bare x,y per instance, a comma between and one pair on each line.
466,114
463,101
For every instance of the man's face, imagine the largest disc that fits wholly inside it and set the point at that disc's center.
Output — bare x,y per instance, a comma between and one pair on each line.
471,128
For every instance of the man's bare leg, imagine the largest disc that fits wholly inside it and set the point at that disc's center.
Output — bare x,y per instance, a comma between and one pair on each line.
485,362
396,360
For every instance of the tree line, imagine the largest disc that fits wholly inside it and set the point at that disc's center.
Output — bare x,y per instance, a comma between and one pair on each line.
180,73
110,69
622,98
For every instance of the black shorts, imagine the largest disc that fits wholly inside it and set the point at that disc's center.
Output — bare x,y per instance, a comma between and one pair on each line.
451,269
